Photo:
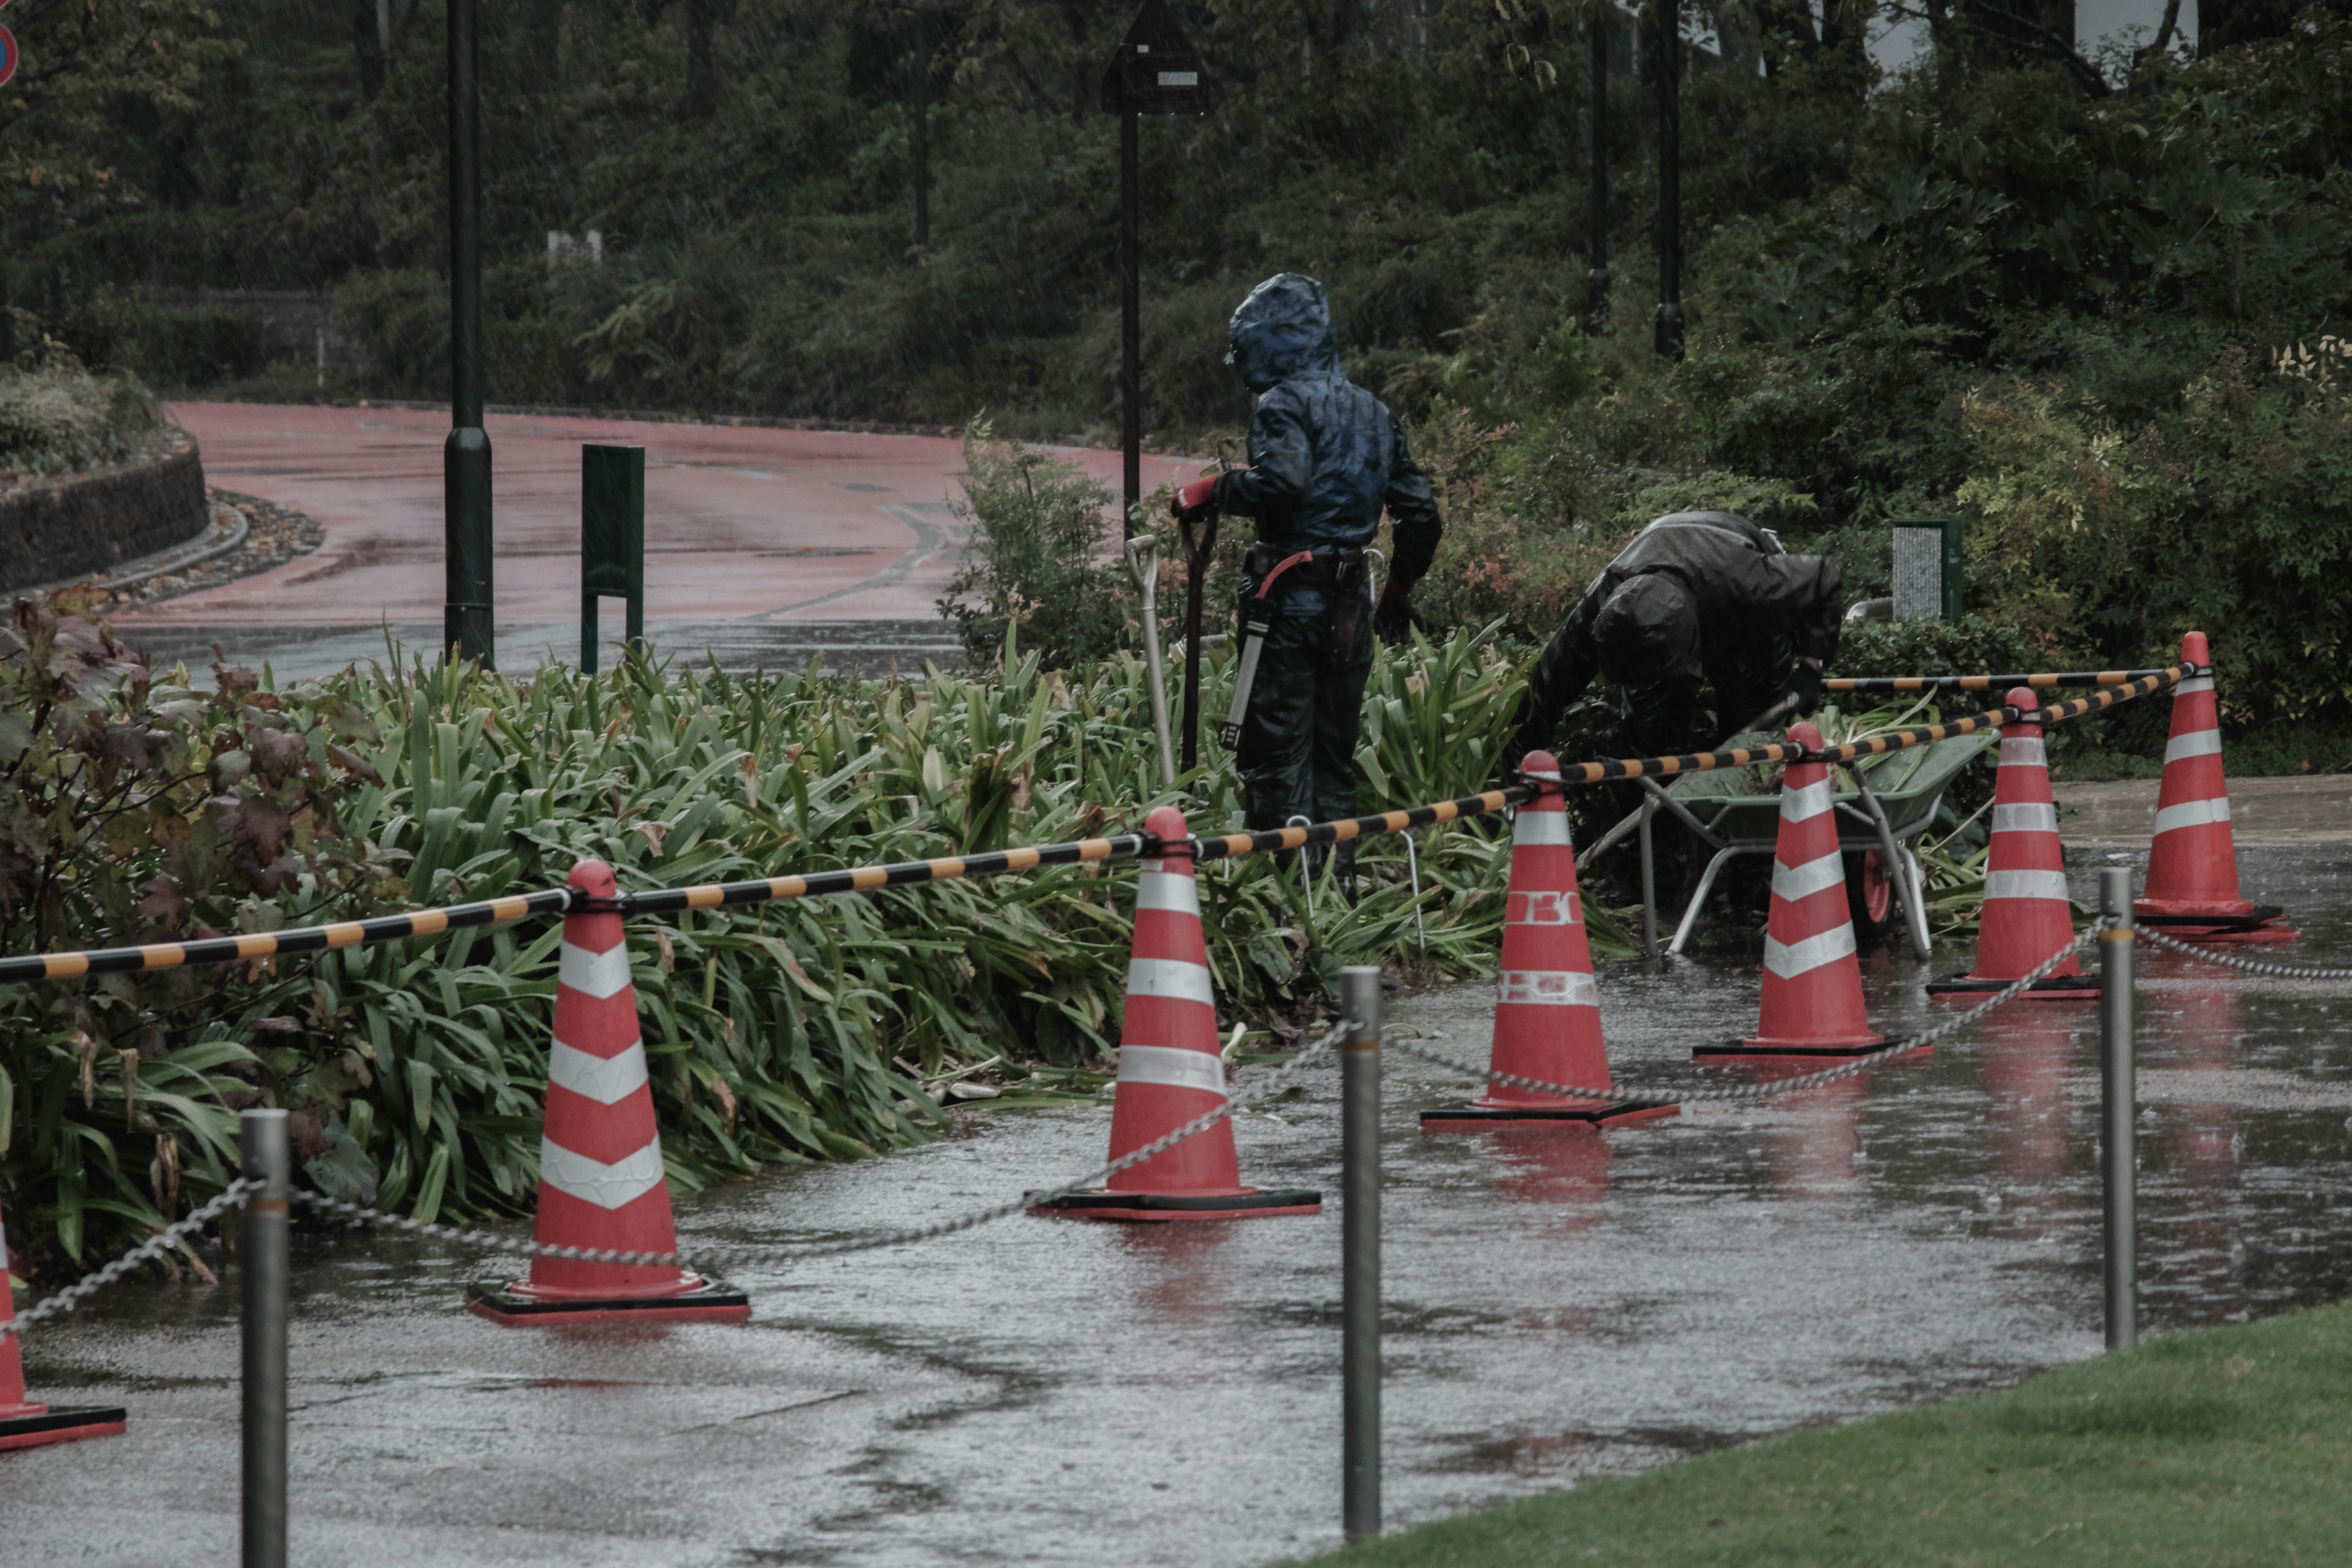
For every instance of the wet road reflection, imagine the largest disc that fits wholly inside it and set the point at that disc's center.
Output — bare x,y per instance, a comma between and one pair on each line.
1560,1305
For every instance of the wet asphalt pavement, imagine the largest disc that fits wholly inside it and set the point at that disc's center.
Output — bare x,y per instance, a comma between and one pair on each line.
1558,1306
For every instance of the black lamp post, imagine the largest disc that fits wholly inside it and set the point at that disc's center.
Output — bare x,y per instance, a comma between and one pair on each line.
1669,64
1155,71
1596,282
466,613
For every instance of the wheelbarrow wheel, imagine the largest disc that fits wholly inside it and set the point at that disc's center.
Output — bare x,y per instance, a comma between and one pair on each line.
1870,898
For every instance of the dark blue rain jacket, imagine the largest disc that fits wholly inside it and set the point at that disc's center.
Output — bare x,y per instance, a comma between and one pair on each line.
1324,455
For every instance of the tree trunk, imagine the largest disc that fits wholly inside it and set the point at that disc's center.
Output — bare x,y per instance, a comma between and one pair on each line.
368,48
701,81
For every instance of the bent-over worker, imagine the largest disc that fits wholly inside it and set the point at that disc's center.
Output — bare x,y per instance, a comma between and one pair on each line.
1697,596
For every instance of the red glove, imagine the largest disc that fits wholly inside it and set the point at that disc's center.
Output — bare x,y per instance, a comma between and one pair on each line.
1199,496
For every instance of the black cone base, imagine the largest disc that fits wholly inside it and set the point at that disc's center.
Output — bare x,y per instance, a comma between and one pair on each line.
62,1424
1152,1207
1480,1118
2053,987
505,1304
2259,915
1741,1051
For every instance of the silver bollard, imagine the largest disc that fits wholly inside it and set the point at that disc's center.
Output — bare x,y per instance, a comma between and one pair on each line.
2119,1094
1360,1265
262,1252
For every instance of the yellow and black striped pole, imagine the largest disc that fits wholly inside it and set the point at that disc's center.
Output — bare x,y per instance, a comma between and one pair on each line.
1082,851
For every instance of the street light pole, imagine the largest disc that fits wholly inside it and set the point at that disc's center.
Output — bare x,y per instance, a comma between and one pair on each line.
1130,328
923,129
1669,65
1596,282
466,614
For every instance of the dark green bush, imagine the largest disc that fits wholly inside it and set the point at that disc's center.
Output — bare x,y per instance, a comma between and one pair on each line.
1034,573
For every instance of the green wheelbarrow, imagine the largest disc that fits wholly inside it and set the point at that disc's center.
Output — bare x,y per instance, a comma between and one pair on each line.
1893,801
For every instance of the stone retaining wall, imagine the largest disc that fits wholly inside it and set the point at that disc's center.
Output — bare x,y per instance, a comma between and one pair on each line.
54,530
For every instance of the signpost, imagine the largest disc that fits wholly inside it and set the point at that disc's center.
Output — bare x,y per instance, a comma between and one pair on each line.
1155,71
612,541
467,603
7,53
1930,568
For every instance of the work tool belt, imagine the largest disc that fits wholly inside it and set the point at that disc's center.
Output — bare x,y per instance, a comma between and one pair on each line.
1340,574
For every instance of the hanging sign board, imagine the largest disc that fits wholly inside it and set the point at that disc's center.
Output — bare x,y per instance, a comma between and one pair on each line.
1155,71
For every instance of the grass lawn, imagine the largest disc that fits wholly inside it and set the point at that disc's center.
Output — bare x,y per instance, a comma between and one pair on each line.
2219,1447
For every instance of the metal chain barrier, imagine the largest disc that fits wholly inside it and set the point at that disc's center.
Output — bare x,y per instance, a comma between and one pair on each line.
156,1246
1276,1082
1759,1091
2250,965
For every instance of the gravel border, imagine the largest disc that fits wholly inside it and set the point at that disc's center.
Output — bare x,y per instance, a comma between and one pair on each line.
272,535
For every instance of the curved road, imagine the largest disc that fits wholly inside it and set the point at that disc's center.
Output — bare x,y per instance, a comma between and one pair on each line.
761,546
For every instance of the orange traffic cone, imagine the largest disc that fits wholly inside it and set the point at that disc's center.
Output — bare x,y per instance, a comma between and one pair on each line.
2192,866
1170,1072
600,1163
1812,983
1547,1013
27,1424
2026,914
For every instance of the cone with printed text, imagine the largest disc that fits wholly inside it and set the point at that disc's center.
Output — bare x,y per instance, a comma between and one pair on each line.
27,1423
2027,916
600,1183
1812,983
1546,1011
1170,1072
2192,864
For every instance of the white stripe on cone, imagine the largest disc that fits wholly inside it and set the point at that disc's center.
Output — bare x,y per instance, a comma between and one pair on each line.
1805,804
1546,988
1540,909
1789,958
1540,828
1170,893
1794,882
2193,814
2194,683
598,975
2196,743
1173,978
590,1181
1173,1065
2025,885
2023,751
2025,817
605,1080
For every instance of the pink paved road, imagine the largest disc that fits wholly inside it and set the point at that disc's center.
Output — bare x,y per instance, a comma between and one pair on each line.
780,526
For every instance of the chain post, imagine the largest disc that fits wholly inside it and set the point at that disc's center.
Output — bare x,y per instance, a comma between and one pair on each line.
262,1248
1649,882
1360,1267
2118,1088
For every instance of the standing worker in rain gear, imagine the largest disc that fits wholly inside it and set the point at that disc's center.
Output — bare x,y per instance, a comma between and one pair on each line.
1696,596
1325,457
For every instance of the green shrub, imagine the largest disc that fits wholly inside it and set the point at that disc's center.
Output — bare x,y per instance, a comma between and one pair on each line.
59,418
1035,570
141,807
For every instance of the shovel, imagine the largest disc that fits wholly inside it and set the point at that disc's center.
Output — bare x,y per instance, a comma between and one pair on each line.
1143,561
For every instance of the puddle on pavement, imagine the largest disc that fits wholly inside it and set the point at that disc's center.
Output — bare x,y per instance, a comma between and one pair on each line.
1560,1305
